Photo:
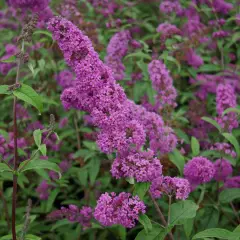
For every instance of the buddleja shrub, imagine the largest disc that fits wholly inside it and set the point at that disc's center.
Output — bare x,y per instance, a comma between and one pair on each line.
119,120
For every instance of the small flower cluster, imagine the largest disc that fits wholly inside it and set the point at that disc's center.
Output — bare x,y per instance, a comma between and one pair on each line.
35,5
105,7
116,50
65,79
171,6
199,170
10,50
223,166
167,30
178,187
162,83
226,98
7,147
73,213
142,166
121,209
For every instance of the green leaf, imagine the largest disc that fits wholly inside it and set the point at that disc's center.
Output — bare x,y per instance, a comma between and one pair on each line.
83,176
4,89
182,210
213,232
209,68
235,235
228,195
157,233
140,189
32,237
130,180
213,122
51,199
39,164
181,134
44,32
146,222
4,134
94,170
60,223
233,141
195,146
37,134
139,54
43,149
188,226
177,159
228,110
9,60
4,168
119,231
29,95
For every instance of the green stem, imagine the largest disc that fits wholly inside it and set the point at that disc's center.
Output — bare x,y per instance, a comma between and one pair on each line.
202,194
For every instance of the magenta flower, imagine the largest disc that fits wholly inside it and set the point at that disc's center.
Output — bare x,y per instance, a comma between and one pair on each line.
223,169
116,50
178,187
199,170
142,166
121,209
226,98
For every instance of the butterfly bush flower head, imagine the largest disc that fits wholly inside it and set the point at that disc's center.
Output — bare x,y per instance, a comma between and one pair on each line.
226,98
142,166
171,7
162,83
105,7
199,170
224,148
178,187
22,112
63,122
121,209
223,169
34,5
10,50
65,79
193,59
74,214
220,6
124,126
233,182
220,34
167,30
116,50
43,190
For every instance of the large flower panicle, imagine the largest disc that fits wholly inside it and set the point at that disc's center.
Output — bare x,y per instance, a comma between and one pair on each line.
124,126
226,98
121,209
199,170
142,166
177,187
162,83
116,50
